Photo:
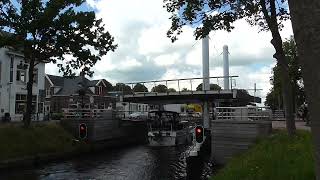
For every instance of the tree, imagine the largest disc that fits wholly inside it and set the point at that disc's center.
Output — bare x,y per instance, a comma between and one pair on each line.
273,98
123,88
305,23
160,88
46,31
109,86
216,15
140,88
213,87
171,90
184,90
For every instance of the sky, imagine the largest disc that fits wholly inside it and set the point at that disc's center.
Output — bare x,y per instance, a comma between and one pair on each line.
145,53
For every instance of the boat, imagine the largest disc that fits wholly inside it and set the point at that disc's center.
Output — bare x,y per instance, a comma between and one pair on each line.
165,128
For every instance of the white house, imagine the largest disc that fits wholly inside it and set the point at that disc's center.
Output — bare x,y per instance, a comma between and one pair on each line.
13,83
129,108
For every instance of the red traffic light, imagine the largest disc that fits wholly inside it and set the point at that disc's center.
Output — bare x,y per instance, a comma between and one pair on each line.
199,130
199,134
82,131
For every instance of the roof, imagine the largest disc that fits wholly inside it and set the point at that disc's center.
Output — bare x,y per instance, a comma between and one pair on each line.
71,85
93,82
56,80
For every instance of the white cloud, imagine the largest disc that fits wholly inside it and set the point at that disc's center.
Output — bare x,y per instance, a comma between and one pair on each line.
145,52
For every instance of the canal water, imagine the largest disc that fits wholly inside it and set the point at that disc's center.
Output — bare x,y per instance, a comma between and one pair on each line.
131,163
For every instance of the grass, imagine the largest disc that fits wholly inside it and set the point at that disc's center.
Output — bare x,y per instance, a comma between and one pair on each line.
277,157
17,142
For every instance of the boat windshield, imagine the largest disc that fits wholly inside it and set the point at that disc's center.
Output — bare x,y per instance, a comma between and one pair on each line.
165,120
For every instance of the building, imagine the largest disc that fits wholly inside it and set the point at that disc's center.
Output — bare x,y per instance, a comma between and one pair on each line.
63,92
13,82
127,107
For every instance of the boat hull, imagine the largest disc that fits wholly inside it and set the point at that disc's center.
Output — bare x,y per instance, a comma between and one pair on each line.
169,138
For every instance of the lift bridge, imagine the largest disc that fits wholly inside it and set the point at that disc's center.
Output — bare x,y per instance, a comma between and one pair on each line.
187,94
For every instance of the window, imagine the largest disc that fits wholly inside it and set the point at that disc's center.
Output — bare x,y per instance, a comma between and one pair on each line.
11,69
99,90
21,73
40,107
48,92
21,103
35,75
101,106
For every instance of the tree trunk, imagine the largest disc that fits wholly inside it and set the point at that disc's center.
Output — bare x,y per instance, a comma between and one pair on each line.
286,85
305,18
27,115
287,99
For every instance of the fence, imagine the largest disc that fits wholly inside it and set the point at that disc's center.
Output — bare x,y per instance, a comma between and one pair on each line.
71,113
243,113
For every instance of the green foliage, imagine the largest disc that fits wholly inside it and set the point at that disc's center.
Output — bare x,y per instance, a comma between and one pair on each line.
123,88
56,116
17,142
171,90
109,86
185,90
140,88
202,14
274,100
159,88
276,157
46,31
213,87
295,74
50,30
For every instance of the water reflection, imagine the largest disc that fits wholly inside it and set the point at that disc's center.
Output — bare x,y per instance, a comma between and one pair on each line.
132,163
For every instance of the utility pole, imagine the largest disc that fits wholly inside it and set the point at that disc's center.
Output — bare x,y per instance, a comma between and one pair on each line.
254,91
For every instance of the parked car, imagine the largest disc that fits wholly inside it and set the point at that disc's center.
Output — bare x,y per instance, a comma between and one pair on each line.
138,115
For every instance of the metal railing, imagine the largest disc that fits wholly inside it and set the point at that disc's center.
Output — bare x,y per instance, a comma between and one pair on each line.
180,85
70,113
243,113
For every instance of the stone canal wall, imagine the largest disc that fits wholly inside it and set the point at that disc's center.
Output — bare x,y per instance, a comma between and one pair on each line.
109,130
231,137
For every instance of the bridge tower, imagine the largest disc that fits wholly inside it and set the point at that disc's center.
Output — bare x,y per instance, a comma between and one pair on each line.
226,67
205,84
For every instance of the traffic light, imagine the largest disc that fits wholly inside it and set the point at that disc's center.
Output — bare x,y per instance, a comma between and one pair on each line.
199,134
82,131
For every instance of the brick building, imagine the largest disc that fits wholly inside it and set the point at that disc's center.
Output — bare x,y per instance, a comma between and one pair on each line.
63,92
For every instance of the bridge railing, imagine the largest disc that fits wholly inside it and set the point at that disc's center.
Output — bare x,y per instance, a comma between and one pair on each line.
243,113
175,85
71,113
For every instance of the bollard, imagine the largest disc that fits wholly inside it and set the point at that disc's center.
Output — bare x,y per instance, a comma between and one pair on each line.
194,167
207,143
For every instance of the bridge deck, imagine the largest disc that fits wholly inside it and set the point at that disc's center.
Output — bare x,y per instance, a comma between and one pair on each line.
179,97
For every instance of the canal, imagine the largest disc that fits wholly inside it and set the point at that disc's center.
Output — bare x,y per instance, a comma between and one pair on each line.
131,163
